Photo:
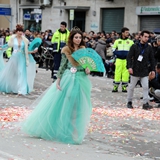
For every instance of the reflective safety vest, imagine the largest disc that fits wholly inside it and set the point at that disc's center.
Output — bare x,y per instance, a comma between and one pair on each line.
121,47
7,38
59,40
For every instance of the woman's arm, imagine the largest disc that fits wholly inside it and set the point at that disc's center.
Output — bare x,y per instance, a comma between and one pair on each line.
62,68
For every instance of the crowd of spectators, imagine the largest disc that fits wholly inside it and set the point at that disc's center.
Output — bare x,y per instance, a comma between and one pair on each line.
102,42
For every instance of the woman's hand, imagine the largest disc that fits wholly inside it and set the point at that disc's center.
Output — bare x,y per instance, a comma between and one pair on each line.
58,84
87,70
35,51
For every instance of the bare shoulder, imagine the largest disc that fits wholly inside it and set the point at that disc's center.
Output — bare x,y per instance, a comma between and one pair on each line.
65,50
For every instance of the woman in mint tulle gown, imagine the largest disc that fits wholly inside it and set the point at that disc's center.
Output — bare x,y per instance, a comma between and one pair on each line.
64,111
17,75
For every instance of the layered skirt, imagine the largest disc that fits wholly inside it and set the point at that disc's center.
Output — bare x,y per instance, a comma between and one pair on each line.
15,76
62,115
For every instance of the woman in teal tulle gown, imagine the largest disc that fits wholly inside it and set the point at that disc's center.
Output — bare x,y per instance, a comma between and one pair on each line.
64,111
17,75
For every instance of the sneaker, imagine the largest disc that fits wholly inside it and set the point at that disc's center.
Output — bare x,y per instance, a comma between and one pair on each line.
147,106
124,89
129,105
115,88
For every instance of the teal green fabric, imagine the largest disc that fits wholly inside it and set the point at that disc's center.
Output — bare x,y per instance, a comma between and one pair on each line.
63,115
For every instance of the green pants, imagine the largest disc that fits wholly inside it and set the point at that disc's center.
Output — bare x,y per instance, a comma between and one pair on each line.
121,72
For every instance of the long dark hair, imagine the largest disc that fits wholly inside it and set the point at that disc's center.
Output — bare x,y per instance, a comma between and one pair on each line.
70,39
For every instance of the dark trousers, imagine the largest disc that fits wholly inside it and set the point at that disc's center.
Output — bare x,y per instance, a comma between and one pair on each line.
56,64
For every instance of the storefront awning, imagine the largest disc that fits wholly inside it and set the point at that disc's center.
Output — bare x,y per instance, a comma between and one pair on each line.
84,8
33,6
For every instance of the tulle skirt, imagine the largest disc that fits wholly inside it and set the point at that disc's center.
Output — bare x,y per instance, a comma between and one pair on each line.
1,60
62,115
2,50
15,77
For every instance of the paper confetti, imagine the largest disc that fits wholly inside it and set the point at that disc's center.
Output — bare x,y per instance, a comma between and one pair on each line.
14,113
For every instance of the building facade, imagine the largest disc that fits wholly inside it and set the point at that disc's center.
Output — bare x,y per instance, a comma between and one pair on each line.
96,15
4,20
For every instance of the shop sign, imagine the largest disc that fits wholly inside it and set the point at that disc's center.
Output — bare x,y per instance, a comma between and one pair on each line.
38,11
5,11
27,16
71,17
94,26
148,10
38,16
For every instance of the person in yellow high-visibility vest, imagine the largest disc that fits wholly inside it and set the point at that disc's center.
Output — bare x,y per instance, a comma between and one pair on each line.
120,49
9,50
59,40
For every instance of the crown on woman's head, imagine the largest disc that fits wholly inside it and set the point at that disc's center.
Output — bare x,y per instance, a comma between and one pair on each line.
75,29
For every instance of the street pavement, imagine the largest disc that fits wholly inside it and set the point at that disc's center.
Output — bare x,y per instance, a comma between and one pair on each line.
114,132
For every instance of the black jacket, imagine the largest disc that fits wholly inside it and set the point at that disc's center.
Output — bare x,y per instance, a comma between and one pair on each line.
141,69
155,83
157,54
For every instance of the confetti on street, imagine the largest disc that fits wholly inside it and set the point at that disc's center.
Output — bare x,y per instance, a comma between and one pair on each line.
113,128
153,114
14,113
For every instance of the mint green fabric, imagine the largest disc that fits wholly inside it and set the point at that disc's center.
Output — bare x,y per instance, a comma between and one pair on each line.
63,115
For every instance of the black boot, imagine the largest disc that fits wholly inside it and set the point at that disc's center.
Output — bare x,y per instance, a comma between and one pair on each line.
129,105
147,106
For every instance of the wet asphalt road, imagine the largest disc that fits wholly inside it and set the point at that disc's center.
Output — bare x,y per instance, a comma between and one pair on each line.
114,132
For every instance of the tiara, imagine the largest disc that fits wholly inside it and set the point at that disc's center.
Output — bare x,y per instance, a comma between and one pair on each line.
75,29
